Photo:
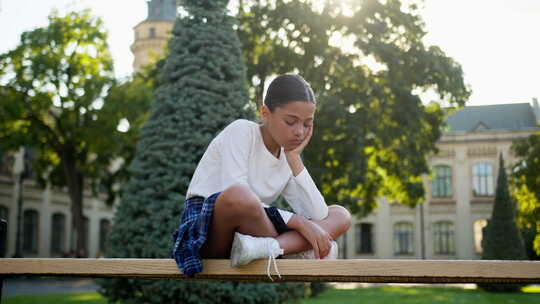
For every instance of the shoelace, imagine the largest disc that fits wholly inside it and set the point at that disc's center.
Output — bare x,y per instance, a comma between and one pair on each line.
271,258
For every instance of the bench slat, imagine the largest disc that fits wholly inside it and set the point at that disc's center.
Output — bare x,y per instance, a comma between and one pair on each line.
381,271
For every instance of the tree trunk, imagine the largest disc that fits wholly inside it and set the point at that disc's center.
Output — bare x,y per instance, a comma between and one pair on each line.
75,182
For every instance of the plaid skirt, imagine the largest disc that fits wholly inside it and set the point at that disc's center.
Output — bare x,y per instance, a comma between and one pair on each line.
192,233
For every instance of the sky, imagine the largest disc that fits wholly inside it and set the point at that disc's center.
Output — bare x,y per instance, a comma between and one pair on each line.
497,42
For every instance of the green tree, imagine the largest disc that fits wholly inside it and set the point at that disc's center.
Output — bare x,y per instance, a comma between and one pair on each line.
502,239
53,89
202,89
367,62
129,102
525,181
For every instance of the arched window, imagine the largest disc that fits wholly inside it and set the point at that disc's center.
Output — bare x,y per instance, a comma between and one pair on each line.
479,234
442,182
443,237
30,231
58,232
483,179
403,238
152,32
104,229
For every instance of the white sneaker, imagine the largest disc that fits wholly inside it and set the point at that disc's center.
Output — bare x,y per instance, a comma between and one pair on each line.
246,248
310,254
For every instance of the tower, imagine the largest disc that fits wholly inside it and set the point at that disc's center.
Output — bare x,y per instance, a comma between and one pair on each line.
152,34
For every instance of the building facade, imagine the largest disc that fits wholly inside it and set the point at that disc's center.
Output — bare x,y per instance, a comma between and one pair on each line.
152,34
45,227
459,193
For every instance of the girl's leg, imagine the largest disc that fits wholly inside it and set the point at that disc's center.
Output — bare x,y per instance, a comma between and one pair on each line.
237,209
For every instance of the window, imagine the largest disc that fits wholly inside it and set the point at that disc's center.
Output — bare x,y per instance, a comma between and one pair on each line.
104,229
86,227
483,179
30,231
403,238
442,182
478,227
152,32
4,213
364,238
58,232
443,237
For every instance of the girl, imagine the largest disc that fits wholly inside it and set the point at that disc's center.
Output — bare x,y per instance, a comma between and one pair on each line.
245,168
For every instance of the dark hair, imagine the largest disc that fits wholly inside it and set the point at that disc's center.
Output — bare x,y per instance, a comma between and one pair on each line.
288,88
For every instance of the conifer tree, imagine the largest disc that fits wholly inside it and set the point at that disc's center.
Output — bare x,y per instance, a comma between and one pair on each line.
202,89
502,238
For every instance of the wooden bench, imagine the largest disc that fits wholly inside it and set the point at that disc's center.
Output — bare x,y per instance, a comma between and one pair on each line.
377,271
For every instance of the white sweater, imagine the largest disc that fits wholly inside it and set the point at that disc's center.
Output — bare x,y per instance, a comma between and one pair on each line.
238,156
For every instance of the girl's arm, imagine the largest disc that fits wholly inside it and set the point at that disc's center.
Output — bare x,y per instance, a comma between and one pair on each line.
303,195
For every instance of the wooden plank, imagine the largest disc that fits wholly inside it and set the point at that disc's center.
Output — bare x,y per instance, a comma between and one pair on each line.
381,271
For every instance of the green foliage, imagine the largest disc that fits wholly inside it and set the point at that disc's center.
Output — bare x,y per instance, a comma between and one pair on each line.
525,181
372,130
129,103
202,88
502,238
53,97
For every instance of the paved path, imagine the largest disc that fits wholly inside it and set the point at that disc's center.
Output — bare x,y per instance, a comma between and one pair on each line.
38,286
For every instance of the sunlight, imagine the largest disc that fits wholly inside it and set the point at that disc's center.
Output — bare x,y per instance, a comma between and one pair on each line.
344,7
85,297
123,126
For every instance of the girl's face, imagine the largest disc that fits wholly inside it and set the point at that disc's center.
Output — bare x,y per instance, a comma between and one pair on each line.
289,124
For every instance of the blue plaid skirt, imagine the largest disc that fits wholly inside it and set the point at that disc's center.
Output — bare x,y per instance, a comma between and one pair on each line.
192,232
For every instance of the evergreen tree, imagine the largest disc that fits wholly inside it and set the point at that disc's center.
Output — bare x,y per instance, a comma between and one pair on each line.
202,88
502,239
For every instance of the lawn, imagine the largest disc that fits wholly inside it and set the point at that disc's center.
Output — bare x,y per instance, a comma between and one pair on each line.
375,295
418,295
68,298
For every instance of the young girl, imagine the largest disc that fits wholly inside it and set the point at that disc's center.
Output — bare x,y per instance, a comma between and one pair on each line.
244,169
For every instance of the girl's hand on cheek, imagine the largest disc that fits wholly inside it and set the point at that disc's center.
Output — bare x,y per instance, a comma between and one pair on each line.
298,150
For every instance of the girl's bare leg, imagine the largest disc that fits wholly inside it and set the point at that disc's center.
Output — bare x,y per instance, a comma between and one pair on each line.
238,209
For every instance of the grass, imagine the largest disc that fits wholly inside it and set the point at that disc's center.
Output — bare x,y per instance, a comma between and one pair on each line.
418,295
68,298
374,295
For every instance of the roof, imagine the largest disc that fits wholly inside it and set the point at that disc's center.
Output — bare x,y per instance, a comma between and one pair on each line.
161,10
517,116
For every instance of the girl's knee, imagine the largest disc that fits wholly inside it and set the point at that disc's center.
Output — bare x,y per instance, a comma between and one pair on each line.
341,215
239,199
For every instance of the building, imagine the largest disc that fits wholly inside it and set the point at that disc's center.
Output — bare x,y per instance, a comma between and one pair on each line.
459,196
152,34
46,217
